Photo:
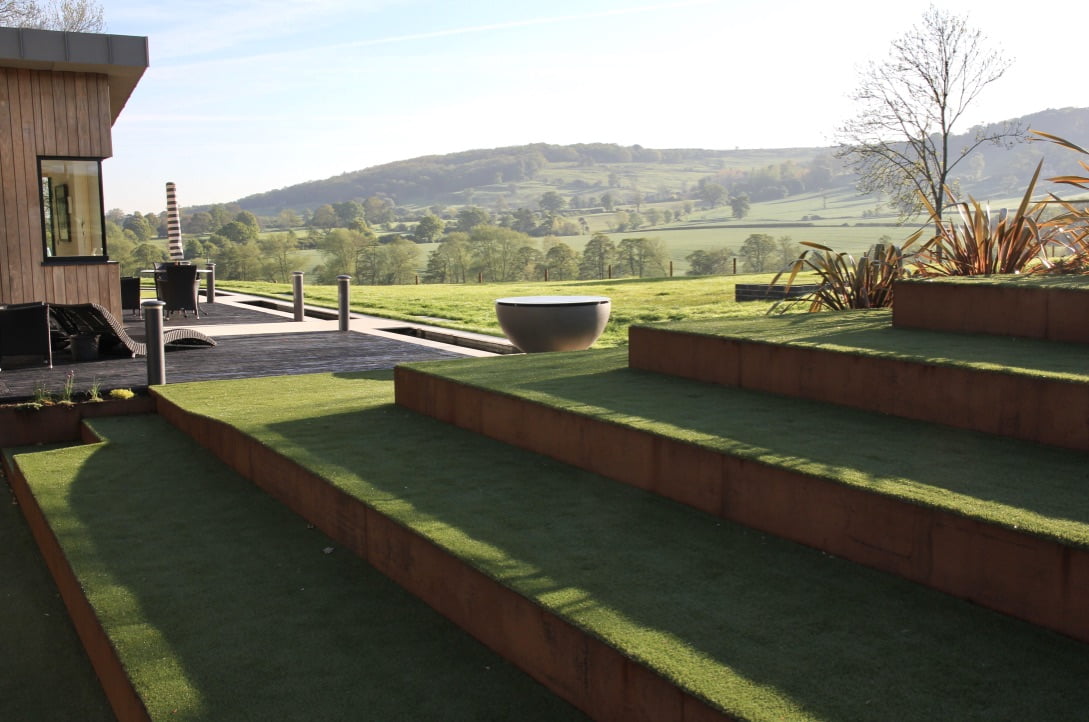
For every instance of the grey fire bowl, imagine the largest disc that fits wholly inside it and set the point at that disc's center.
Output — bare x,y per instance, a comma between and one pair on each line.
553,323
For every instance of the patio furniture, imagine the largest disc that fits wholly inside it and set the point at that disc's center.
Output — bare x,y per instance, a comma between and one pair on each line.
92,319
130,294
553,323
24,331
177,285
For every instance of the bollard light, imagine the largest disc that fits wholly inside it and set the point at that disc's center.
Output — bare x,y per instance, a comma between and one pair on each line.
156,349
210,283
297,293
343,301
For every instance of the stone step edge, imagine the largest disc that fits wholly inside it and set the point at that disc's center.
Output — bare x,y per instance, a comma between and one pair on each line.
608,685
1018,406
1031,578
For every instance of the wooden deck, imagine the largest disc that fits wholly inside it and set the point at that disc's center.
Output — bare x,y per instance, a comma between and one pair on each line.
251,342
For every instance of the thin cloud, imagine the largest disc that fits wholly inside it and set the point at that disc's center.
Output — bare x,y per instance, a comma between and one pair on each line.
452,32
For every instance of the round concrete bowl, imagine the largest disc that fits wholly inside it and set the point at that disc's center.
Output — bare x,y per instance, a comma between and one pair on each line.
553,323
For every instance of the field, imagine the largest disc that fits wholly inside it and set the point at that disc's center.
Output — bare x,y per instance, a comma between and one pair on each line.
470,307
841,219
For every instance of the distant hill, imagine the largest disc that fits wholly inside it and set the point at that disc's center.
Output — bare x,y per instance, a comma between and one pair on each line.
516,176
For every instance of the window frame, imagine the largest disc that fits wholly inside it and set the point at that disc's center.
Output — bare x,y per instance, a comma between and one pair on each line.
47,232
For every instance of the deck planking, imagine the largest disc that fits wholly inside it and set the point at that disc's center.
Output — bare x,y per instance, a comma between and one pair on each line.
260,354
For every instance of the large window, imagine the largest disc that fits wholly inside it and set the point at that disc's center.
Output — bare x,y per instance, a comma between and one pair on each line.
73,224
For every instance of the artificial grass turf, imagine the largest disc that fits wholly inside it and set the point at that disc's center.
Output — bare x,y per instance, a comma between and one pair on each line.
1019,485
225,606
763,628
44,674
870,333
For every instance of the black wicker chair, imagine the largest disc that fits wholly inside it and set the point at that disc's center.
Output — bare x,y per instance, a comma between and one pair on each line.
177,286
130,294
24,331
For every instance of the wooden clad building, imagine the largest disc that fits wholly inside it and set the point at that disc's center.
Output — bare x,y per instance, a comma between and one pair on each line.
60,94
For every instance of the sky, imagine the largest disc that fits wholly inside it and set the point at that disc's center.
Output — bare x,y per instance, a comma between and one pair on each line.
246,96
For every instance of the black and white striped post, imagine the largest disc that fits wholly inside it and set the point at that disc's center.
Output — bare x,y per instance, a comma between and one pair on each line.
173,224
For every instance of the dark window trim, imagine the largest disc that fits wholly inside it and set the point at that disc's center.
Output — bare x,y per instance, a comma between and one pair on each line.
73,260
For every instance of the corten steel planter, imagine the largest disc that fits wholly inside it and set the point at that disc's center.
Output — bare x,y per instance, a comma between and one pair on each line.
21,426
553,323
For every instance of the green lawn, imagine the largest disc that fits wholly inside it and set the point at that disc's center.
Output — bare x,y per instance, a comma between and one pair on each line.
471,306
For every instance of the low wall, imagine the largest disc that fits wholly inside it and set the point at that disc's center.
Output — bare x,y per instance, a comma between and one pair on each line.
1034,579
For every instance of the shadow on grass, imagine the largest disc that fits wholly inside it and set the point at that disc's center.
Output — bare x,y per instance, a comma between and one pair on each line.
227,606
44,673
765,627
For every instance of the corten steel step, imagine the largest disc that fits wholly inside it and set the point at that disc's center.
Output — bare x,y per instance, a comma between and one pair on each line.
792,492
1051,309
859,361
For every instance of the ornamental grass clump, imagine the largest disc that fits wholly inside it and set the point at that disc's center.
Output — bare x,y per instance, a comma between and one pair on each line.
1070,229
980,244
846,283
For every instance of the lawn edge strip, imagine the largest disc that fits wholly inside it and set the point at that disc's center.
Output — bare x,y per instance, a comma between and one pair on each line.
120,692
1036,579
1019,406
603,682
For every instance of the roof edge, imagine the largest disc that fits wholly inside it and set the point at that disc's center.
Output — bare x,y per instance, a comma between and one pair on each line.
121,58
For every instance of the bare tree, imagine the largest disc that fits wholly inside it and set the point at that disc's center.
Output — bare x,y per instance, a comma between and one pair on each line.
20,14
899,144
83,16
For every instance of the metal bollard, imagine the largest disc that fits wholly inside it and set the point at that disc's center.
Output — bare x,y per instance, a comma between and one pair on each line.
297,292
156,350
343,301
210,283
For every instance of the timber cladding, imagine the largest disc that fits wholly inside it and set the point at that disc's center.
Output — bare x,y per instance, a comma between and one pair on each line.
48,113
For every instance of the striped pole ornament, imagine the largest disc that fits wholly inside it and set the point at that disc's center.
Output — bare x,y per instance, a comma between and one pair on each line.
173,224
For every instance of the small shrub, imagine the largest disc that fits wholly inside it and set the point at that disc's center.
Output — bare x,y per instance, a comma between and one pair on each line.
69,388
42,394
846,283
121,394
